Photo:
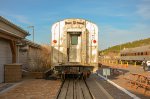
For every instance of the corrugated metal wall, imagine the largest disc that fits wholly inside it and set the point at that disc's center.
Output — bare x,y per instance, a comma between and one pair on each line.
23,59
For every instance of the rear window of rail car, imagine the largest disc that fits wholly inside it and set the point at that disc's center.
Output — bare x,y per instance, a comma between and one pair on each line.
74,39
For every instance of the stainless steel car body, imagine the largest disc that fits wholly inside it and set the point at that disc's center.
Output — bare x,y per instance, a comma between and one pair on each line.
74,41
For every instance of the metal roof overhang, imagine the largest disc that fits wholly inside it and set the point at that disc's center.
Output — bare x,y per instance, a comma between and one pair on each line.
13,25
9,35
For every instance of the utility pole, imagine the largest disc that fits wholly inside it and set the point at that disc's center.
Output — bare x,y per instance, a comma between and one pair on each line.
32,31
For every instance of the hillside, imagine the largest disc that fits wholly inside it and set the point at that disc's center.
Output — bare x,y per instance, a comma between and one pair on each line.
117,48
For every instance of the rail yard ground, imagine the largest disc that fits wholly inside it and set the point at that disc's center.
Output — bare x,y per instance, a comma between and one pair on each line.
48,89
32,89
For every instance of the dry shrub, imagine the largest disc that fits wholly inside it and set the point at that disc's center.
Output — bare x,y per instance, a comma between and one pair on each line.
40,59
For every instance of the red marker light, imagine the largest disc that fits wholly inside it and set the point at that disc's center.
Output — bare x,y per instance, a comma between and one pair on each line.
94,41
55,41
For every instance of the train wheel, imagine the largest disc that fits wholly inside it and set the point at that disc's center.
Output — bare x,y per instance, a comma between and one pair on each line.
62,77
84,77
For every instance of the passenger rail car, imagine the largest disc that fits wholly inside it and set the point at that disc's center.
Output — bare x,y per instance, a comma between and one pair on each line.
74,44
137,54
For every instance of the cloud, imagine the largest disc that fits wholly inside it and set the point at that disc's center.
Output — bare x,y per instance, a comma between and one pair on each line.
143,9
100,9
110,36
22,19
49,16
17,17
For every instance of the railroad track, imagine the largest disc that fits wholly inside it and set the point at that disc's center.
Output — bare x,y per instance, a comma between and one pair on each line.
74,89
82,89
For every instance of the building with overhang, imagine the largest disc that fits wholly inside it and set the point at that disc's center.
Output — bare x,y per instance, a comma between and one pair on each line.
14,48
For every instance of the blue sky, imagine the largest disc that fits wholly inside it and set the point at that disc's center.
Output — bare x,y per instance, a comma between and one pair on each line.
119,21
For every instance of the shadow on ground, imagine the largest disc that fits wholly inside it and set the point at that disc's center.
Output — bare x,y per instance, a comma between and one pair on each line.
114,72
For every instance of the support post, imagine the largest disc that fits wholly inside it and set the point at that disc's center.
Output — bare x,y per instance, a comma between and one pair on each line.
13,51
